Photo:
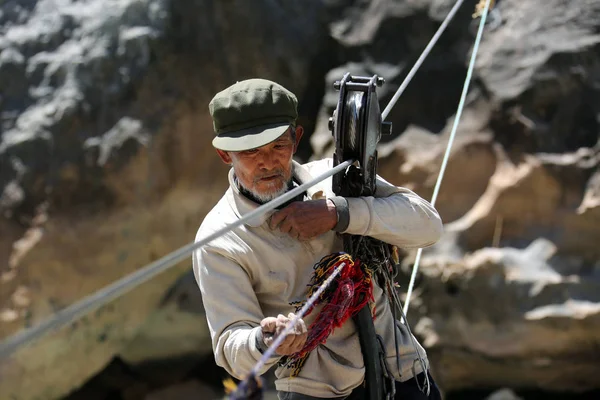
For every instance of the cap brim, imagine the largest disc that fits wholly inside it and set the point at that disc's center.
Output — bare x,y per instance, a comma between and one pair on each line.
247,139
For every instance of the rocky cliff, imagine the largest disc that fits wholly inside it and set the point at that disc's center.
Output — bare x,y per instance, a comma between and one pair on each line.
106,165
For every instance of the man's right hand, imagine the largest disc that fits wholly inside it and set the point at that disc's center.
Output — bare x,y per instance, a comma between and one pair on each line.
272,327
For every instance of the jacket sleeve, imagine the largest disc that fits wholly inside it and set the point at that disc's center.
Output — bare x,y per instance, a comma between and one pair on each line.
395,215
232,311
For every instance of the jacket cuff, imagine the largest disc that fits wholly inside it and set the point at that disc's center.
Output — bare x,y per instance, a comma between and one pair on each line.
260,346
343,213
260,342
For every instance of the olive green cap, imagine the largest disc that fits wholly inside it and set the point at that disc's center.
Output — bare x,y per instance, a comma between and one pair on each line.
251,113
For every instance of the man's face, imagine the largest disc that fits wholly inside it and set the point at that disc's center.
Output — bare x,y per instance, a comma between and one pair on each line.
265,171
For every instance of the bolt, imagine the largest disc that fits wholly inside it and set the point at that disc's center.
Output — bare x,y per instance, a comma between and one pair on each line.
380,81
337,85
331,124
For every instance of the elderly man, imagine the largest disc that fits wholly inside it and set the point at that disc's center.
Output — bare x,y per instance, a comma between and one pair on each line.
250,276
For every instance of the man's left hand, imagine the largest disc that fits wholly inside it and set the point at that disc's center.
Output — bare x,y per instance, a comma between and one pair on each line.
305,220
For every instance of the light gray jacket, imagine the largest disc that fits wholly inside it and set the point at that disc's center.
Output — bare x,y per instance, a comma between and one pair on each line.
253,272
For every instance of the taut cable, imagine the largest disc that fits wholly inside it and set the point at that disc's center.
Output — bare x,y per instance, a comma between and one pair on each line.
122,286
461,105
420,60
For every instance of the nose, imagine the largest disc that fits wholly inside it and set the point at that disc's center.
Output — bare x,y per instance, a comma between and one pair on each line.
267,160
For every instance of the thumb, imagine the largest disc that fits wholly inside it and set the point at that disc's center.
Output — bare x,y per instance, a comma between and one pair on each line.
276,218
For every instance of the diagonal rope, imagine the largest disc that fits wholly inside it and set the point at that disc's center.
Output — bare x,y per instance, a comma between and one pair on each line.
309,303
421,58
461,105
119,288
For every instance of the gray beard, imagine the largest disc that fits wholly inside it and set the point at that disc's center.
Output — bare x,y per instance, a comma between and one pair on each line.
264,198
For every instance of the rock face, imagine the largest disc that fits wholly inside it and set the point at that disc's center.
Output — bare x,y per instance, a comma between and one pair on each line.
105,148
513,290
530,323
104,155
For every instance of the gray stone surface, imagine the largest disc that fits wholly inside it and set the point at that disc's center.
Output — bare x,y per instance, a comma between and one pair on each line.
105,147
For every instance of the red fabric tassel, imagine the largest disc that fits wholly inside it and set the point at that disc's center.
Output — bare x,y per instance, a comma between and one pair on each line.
351,290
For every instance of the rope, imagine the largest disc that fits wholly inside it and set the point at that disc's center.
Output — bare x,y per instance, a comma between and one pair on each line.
309,303
421,58
117,289
250,387
461,105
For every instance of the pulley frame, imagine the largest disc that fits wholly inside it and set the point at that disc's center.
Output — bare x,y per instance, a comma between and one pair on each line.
357,128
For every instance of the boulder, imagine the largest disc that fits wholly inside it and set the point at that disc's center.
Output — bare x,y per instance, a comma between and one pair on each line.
513,317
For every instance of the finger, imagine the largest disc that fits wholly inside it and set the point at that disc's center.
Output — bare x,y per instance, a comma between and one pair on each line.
277,217
268,338
301,335
304,235
298,343
286,225
282,322
282,319
298,334
284,351
268,324
297,323
289,323
287,342
298,339
301,327
304,337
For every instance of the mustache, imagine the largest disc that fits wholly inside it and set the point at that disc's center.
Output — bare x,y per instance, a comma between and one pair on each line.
275,173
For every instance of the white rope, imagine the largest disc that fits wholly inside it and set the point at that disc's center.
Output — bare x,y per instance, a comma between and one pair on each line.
119,288
424,55
450,141
281,337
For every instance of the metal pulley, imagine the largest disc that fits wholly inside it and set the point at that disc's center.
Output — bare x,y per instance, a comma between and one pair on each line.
357,128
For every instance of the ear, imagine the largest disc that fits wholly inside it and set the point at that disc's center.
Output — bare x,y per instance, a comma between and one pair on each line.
224,156
299,133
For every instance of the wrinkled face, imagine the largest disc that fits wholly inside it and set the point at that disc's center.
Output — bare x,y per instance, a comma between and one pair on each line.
266,171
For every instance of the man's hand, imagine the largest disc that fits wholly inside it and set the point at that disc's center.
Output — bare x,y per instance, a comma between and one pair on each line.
305,220
272,327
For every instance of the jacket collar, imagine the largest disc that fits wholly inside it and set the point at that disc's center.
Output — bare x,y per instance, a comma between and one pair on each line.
242,205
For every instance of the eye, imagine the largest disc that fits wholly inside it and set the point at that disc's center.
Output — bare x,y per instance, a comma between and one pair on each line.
283,145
